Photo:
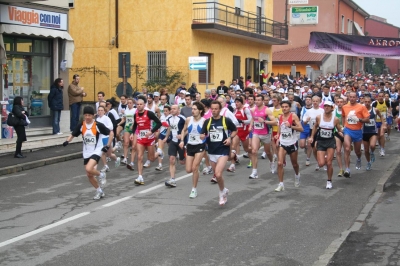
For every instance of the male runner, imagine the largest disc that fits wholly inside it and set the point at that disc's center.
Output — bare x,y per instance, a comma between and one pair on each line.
370,132
383,107
287,124
324,129
339,138
163,132
92,134
176,123
353,115
307,131
218,145
262,117
276,112
142,122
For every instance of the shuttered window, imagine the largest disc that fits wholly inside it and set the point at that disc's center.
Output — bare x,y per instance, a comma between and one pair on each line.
156,65
202,73
236,67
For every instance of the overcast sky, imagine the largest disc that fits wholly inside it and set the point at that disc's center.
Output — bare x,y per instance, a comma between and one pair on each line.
382,8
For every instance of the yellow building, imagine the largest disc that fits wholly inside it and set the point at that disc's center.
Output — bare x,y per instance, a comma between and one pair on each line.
235,35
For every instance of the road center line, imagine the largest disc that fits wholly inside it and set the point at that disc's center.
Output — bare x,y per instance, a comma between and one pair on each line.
5,177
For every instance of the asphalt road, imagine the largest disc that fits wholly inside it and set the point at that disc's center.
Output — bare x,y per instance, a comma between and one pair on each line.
48,216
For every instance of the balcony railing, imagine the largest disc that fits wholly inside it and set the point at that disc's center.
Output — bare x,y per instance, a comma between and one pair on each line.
212,12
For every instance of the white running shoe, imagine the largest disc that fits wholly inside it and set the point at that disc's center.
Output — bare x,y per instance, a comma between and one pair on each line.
231,169
98,195
263,155
317,168
308,162
139,181
297,180
382,153
272,166
253,176
280,188
224,198
108,159
124,161
329,185
105,169
207,171
325,167
146,164
102,179
159,168
193,194
117,162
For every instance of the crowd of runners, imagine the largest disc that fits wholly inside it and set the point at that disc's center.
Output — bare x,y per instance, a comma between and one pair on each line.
328,118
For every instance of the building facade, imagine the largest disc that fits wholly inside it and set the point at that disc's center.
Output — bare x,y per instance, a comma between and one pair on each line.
235,36
376,26
35,49
337,16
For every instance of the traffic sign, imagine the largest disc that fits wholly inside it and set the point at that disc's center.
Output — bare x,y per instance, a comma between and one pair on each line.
198,66
198,59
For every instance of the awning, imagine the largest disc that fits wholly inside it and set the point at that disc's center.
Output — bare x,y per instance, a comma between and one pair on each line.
358,29
25,30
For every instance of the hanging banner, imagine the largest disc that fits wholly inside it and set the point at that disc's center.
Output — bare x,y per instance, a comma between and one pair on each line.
354,45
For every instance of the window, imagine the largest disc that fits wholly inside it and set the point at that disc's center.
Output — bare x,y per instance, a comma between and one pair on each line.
202,73
349,26
360,65
253,69
342,29
239,7
236,67
156,65
340,63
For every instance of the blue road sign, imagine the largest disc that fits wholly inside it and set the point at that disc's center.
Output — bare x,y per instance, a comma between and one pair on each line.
198,66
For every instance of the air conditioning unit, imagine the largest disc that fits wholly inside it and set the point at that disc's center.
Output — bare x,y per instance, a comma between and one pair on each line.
71,3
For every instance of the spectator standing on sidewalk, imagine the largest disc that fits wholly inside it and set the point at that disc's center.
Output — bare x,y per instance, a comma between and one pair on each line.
55,101
19,111
75,95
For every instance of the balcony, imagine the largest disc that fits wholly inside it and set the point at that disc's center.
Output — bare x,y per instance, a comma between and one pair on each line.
225,20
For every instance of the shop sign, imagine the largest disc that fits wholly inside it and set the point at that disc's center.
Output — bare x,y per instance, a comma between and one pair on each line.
298,2
304,15
33,17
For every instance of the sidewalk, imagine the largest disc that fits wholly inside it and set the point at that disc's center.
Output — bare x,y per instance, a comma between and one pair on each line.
40,156
377,242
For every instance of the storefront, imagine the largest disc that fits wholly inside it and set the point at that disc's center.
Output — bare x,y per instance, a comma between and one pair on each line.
35,50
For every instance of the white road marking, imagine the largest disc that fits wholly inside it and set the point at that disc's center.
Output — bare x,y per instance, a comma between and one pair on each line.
117,201
45,228
5,177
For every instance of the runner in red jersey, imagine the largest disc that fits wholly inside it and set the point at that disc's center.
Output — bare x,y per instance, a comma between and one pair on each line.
142,127
243,115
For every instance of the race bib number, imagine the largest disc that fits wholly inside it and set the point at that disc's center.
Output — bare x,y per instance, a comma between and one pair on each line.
90,140
142,133
194,138
286,135
371,123
216,136
258,125
325,133
352,120
129,120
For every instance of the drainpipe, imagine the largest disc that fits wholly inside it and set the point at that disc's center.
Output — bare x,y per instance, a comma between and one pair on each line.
116,23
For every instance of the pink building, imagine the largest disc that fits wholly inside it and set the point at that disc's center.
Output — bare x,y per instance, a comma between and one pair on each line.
335,16
377,26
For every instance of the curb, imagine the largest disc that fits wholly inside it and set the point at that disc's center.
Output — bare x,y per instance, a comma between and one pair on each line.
30,165
337,243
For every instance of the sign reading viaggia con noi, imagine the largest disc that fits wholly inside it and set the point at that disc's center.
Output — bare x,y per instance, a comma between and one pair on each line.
33,17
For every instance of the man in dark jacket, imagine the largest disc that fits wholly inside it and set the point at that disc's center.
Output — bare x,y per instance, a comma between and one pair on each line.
193,90
55,101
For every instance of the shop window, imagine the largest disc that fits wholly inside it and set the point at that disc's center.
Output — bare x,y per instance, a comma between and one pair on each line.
24,45
41,46
203,73
8,43
156,66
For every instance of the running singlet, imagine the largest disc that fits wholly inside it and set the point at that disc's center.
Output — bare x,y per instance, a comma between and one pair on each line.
143,125
370,127
258,127
326,129
240,115
163,129
129,113
217,134
305,126
91,135
383,109
194,130
287,136
352,113
276,113
207,114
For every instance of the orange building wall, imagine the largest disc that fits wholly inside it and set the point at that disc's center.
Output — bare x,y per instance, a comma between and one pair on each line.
285,69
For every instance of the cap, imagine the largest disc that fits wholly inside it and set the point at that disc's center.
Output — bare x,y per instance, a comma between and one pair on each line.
328,103
187,93
297,87
276,78
156,94
183,91
281,90
88,110
273,87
